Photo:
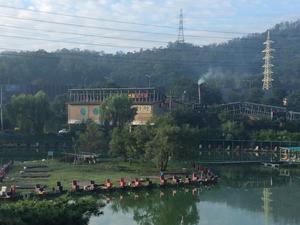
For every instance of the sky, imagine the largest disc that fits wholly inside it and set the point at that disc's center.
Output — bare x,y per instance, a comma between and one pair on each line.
129,25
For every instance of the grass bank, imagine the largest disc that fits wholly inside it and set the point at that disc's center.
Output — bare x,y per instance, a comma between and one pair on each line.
50,171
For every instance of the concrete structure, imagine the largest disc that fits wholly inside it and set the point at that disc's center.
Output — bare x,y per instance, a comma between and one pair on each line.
84,104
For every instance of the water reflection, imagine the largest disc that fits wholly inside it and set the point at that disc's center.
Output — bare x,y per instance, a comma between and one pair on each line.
244,196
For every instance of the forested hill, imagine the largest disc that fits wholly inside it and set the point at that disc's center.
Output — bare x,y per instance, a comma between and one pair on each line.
237,59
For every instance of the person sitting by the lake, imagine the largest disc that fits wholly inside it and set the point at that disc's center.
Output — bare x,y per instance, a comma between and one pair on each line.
175,179
39,189
108,184
187,180
59,187
12,190
75,186
93,185
210,175
162,181
136,182
195,177
122,183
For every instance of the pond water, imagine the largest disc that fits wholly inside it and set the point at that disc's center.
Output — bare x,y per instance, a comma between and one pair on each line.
245,195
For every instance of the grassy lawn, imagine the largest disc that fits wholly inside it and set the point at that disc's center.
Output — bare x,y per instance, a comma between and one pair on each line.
66,172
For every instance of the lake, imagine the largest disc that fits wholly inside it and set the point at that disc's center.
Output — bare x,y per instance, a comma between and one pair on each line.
245,195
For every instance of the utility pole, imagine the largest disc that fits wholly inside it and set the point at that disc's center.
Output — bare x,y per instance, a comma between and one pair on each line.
267,81
1,110
199,93
180,29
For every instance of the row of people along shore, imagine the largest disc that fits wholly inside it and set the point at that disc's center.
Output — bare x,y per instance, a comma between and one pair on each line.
203,175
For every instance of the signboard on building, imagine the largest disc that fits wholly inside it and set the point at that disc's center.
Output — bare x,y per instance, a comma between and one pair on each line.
143,114
138,95
80,113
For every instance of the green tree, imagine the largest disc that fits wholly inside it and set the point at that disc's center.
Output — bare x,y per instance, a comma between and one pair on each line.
187,143
56,211
184,89
163,145
29,112
59,112
92,140
294,101
166,139
121,143
141,135
234,130
117,110
255,95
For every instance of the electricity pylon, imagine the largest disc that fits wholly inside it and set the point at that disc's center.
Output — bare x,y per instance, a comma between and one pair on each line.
180,29
267,81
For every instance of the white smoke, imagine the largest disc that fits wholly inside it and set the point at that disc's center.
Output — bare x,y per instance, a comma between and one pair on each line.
206,76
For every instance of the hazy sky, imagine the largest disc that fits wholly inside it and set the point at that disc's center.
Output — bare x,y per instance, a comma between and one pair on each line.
205,22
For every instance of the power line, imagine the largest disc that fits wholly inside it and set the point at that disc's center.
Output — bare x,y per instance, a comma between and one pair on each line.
100,36
69,42
82,34
117,21
113,29
101,28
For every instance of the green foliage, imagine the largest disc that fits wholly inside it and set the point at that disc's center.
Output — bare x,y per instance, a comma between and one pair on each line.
271,135
59,211
233,131
182,88
121,142
171,141
117,110
163,145
255,95
29,113
142,135
59,112
294,101
159,140
92,139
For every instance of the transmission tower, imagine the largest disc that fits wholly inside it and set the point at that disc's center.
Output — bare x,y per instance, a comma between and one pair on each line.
267,81
180,29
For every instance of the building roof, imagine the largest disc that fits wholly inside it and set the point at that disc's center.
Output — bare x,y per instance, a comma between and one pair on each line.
296,149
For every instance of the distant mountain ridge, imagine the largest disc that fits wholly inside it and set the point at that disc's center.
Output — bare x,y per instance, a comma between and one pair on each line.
237,59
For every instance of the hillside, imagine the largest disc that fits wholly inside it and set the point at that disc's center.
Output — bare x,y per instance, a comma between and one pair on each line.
237,65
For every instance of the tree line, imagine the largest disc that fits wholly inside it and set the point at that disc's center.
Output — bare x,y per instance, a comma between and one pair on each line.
174,136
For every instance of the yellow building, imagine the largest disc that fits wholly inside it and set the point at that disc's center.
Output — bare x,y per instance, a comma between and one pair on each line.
84,104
